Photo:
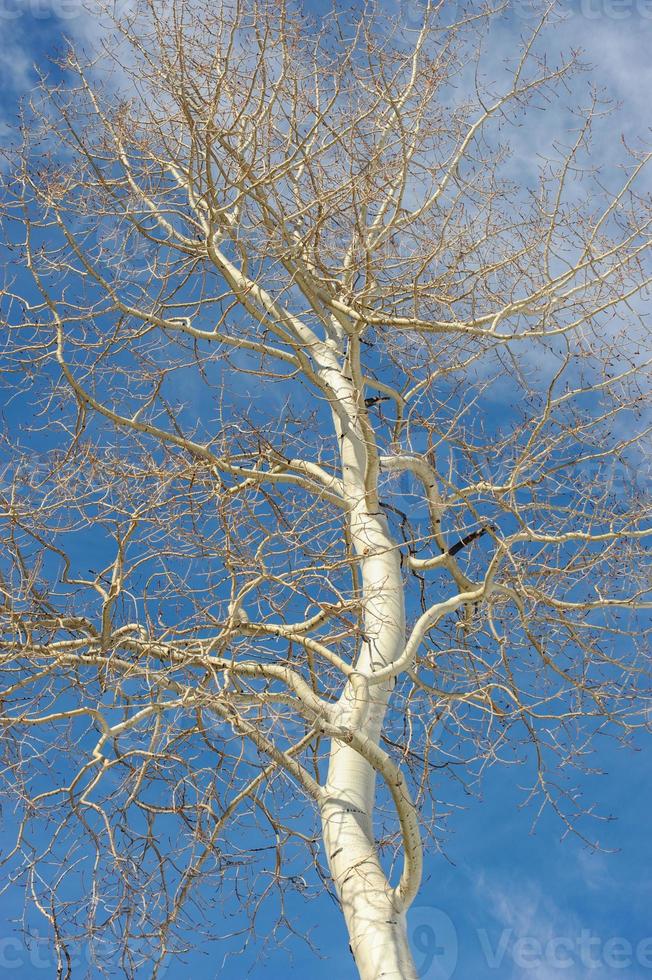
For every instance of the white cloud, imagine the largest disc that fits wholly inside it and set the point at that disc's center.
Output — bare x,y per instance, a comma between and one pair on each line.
538,938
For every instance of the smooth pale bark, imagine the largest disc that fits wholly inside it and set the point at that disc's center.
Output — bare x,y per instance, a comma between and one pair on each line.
373,914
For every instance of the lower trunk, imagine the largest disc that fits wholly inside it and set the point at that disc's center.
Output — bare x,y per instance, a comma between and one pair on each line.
376,926
377,930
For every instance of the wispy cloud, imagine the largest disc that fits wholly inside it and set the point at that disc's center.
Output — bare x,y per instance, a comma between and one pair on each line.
539,938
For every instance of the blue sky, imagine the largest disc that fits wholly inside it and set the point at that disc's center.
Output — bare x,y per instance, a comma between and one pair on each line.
492,904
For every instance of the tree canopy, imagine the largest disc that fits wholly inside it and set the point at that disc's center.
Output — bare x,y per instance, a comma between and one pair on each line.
331,490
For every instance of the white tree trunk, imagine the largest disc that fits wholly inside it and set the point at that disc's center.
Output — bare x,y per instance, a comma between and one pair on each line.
375,921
